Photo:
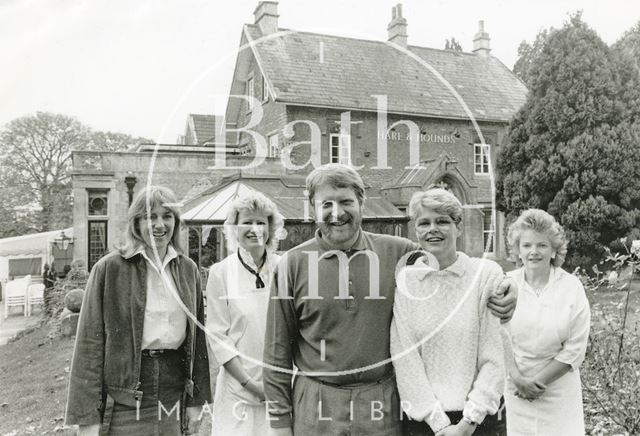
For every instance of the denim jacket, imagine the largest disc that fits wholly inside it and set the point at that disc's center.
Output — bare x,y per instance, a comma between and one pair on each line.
108,350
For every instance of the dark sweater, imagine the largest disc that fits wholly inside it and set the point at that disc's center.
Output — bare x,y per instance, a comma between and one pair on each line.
325,332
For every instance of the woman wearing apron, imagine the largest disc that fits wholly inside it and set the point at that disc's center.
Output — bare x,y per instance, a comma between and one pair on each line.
237,300
549,332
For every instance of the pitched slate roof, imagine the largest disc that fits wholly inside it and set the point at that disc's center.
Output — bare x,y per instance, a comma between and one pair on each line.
203,127
211,206
352,70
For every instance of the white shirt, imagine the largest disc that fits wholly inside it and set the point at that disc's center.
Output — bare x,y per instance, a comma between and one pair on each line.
165,323
551,324
237,310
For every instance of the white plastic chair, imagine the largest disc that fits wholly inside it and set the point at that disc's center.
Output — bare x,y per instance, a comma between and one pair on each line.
16,295
35,295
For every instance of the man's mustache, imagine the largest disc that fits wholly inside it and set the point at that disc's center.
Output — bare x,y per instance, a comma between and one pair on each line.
344,218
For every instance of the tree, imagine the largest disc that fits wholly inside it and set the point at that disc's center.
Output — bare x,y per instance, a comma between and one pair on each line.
111,141
35,169
527,53
452,45
627,52
15,217
36,159
574,147
629,43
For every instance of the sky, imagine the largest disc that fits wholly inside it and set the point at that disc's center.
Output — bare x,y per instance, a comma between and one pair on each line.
140,67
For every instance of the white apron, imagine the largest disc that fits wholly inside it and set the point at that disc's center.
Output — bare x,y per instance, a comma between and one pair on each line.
239,323
553,324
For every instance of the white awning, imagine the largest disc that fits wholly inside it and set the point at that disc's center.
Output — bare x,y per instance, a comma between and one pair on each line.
33,244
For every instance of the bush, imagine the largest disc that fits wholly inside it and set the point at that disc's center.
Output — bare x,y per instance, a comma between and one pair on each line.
611,371
75,279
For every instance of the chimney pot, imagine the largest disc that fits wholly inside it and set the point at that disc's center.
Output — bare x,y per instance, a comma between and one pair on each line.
397,29
266,17
481,41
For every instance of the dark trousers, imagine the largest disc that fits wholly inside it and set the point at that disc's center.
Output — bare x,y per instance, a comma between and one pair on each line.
162,379
322,409
493,425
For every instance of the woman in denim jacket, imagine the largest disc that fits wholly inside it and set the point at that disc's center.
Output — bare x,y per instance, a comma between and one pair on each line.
140,360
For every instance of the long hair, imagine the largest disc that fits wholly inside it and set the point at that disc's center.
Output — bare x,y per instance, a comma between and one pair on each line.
154,196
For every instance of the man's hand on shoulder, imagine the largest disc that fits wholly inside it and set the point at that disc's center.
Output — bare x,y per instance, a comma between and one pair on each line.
502,302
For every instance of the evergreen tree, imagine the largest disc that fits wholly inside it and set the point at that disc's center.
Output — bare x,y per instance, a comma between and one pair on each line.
527,53
574,147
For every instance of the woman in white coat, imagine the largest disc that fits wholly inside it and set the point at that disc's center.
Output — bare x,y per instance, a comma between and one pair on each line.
549,332
237,299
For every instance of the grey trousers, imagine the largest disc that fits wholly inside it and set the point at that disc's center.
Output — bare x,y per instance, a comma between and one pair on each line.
365,410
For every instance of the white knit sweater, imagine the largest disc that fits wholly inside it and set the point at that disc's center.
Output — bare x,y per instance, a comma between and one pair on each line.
446,344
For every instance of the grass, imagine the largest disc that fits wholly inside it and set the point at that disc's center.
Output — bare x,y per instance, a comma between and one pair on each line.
33,385
614,300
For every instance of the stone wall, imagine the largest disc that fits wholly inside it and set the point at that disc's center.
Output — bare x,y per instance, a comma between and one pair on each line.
184,173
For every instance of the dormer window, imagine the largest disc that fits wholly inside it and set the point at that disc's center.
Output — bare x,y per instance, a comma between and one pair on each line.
250,93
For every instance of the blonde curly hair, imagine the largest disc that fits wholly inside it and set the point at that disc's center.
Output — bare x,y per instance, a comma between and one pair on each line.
254,202
542,222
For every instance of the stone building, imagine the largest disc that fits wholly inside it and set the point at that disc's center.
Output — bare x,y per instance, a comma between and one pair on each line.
105,182
406,116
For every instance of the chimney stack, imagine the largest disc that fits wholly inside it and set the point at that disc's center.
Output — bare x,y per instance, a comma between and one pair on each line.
481,41
266,17
397,28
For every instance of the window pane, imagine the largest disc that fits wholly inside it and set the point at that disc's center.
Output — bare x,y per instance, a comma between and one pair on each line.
334,148
265,90
98,203
273,146
481,158
250,92
488,231
97,241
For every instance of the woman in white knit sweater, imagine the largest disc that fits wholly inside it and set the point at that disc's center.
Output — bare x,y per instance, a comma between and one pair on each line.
446,344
